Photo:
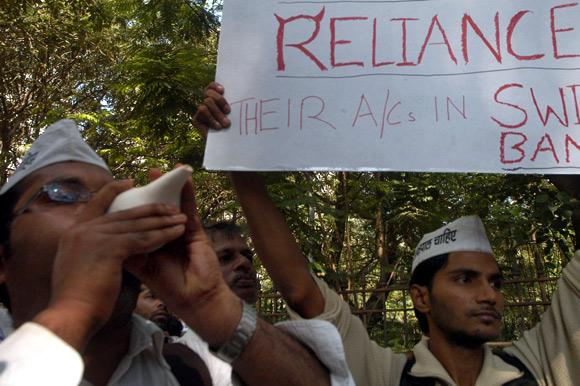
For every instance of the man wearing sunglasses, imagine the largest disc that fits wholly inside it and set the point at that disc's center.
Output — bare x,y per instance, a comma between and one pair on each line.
65,264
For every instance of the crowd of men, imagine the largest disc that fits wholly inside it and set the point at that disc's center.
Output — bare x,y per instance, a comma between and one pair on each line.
151,296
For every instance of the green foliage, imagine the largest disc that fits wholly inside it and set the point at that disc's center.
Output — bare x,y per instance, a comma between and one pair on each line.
55,56
385,214
132,72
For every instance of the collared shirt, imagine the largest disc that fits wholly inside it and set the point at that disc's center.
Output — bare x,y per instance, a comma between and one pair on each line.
33,355
494,371
144,360
144,363
550,350
220,371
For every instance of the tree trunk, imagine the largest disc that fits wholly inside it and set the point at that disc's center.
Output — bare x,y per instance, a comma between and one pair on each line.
340,224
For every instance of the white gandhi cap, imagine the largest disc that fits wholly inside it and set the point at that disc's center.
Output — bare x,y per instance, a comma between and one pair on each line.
60,142
466,234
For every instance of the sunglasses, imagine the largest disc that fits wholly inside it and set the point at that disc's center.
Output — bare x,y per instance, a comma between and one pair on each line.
60,192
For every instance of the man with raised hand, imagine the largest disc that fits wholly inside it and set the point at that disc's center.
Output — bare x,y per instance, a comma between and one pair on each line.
456,291
65,262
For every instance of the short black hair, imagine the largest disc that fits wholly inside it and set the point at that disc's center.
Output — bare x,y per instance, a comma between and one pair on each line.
227,228
423,276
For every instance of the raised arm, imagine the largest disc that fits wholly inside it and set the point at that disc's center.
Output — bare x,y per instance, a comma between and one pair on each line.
275,245
369,363
550,349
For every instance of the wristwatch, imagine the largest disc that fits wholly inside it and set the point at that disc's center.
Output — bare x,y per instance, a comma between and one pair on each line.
232,349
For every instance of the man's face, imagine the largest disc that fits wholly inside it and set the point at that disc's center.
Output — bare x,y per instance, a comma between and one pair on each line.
151,307
465,299
235,259
35,234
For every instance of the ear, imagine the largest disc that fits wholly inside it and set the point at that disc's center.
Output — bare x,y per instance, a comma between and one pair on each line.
420,297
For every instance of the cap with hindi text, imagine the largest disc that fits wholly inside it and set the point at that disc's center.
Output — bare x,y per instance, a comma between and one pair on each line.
466,234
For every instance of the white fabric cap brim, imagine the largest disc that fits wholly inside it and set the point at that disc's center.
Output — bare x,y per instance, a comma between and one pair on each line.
61,142
466,234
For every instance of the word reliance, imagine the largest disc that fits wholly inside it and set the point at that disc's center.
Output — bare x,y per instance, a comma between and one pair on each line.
366,42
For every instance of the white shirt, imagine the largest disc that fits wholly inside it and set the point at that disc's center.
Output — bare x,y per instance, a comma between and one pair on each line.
220,371
144,363
33,355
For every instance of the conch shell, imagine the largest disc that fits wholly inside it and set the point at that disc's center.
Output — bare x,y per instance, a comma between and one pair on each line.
165,190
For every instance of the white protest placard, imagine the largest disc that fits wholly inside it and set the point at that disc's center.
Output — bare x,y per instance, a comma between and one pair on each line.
415,85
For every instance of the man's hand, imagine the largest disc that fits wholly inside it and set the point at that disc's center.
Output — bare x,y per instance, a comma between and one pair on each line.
186,275
212,113
87,270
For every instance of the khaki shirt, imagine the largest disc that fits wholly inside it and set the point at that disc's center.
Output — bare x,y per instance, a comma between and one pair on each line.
550,350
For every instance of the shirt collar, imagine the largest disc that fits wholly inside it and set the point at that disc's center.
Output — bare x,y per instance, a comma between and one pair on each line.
145,336
493,372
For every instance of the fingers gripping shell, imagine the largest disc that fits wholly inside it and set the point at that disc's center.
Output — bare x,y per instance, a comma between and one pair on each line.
165,190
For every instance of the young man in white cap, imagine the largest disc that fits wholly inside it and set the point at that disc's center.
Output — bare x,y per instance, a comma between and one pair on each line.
64,262
455,288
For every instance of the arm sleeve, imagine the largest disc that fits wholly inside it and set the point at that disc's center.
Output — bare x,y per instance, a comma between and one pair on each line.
33,355
551,350
369,363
